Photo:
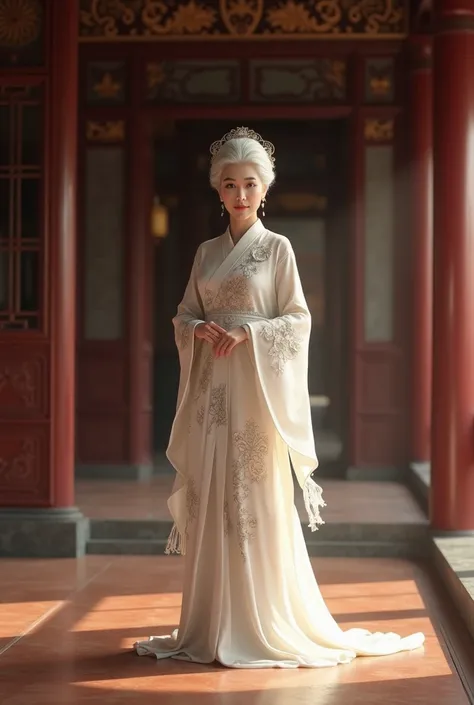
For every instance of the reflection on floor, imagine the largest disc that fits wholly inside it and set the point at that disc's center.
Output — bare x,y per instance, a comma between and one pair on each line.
66,628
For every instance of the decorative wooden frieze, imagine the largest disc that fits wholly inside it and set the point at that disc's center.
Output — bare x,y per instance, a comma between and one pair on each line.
148,20
305,81
376,131
194,81
108,131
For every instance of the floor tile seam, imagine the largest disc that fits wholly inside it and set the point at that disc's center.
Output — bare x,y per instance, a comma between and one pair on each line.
49,613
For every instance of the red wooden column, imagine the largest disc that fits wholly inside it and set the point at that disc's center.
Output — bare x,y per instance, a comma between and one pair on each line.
452,482
63,154
421,86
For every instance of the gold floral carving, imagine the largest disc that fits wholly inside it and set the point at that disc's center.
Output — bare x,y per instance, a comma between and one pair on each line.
20,22
108,131
147,20
378,130
107,87
241,17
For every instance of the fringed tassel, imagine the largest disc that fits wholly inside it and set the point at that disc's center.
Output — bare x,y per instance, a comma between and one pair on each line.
176,542
313,502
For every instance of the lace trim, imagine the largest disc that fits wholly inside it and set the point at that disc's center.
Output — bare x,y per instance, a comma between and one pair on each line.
285,345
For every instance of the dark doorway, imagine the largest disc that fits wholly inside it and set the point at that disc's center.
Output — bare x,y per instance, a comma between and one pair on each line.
308,203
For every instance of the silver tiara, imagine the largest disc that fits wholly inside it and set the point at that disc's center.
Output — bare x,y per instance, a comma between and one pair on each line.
239,132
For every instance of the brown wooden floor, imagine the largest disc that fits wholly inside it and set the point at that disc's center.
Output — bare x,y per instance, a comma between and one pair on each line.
351,502
66,628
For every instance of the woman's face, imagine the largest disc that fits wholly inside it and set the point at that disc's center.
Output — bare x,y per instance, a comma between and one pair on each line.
241,190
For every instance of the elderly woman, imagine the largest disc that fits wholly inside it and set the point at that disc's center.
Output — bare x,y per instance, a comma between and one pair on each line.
250,598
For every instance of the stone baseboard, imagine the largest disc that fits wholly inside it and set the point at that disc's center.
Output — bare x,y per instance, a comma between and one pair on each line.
132,472
43,533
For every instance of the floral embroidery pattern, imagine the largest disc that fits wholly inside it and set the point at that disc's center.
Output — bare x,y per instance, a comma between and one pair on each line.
205,376
250,264
217,407
234,295
249,467
208,297
200,415
183,331
227,522
192,502
284,343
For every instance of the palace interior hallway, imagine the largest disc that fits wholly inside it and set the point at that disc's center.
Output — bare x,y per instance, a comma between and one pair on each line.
67,626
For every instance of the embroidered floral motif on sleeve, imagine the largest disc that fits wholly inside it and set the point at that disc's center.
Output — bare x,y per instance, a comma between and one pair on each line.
182,335
217,407
251,262
285,345
249,467
205,375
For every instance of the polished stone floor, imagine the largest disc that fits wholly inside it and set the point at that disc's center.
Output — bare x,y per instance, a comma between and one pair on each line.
66,628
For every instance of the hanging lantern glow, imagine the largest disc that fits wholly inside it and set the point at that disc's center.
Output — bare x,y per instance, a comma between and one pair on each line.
159,219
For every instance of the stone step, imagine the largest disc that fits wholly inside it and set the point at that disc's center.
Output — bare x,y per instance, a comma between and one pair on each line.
335,549
152,530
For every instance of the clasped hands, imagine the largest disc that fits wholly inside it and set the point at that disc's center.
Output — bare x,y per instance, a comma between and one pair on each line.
222,341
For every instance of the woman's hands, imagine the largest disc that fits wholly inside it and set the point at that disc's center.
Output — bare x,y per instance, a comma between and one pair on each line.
210,332
222,341
228,341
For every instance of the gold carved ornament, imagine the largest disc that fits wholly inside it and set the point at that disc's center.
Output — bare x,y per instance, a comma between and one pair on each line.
20,22
109,131
107,87
379,130
148,19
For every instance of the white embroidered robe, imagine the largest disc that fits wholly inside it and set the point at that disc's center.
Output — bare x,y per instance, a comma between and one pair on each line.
250,598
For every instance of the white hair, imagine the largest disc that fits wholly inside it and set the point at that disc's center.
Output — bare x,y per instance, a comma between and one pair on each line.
242,150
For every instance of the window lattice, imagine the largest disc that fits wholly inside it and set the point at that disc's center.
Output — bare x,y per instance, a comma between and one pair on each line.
21,206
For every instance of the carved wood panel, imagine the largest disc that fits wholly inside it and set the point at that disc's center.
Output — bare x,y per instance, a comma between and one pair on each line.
24,457
24,379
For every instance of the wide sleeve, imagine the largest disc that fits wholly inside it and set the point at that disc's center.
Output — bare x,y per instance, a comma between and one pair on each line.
189,314
279,348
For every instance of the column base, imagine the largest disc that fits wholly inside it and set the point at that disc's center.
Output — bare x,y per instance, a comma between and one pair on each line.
139,473
43,533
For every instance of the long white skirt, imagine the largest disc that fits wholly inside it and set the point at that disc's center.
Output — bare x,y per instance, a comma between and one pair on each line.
250,597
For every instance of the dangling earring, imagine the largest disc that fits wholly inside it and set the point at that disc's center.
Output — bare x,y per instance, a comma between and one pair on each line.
263,207
222,209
